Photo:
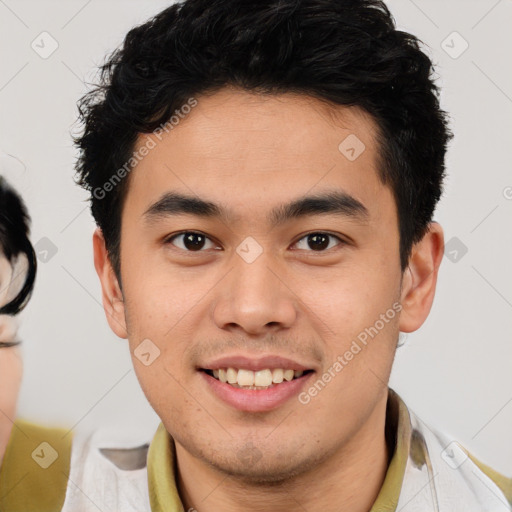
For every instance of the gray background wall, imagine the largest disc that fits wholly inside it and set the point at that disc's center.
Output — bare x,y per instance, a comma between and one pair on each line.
455,372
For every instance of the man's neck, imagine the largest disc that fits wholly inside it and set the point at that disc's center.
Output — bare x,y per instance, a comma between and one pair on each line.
349,480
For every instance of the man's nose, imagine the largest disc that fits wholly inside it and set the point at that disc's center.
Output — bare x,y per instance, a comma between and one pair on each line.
255,296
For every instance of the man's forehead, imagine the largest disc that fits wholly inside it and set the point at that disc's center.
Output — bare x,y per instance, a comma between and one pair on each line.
180,161
232,109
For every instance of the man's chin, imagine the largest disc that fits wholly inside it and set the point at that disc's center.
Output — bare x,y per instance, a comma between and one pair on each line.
259,475
253,468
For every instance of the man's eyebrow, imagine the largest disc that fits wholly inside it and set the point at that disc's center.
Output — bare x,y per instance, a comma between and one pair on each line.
334,203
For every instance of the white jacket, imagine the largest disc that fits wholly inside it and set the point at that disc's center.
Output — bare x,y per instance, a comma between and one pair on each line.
438,474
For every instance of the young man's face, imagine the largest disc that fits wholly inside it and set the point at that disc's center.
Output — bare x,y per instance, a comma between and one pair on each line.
252,287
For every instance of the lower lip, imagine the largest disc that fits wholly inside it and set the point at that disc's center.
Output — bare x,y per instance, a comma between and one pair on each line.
256,400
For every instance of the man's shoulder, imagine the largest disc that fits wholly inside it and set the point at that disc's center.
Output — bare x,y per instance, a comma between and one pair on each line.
109,469
441,471
503,482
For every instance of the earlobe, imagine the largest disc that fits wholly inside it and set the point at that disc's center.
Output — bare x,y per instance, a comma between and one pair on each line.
420,279
112,296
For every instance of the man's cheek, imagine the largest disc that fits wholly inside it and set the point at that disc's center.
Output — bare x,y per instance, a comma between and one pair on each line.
160,386
149,315
164,307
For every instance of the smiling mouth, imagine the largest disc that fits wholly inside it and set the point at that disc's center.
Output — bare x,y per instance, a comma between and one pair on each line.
261,379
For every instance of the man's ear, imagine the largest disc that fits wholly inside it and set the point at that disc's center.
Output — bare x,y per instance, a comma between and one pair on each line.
112,296
420,278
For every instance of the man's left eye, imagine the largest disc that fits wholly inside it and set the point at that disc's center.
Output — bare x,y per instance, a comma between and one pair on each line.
319,241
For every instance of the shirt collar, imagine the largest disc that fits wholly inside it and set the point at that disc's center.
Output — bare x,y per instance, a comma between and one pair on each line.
163,492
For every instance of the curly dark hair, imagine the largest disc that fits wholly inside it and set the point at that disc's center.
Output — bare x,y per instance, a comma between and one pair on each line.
344,52
14,232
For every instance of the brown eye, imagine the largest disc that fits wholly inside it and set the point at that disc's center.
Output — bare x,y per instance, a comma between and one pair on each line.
191,241
319,241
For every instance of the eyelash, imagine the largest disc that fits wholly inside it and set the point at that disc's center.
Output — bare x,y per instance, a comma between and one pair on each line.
341,242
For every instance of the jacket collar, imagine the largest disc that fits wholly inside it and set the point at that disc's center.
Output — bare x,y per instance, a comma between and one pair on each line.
163,493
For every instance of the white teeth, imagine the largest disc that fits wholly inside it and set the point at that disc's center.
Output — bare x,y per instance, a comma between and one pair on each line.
232,375
245,378
258,379
263,378
288,375
277,375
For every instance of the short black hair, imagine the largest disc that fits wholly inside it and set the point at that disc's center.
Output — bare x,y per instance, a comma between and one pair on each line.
344,52
14,240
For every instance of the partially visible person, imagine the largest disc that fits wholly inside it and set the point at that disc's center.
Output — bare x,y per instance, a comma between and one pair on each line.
18,266
26,476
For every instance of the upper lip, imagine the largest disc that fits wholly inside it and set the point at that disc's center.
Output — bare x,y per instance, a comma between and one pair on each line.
254,363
